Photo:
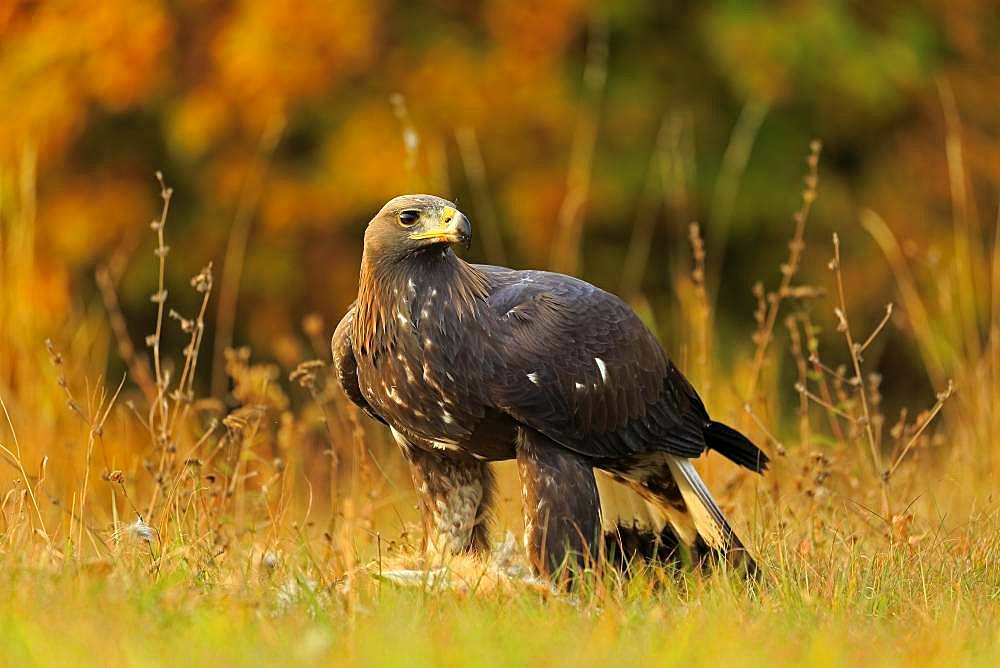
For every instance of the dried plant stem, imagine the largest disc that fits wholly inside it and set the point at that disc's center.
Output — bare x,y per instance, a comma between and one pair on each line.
159,411
184,394
641,239
878,329
138,367
779,447
792,324
820,370
941,399
35,483
411,138
854,352
170,495
804,392
677,166
837,374
702,318
727,186
765,331
475,170
96,433
566,247
57,362
307,376
964,225
916,310
16,456
334,471
236,250
438,180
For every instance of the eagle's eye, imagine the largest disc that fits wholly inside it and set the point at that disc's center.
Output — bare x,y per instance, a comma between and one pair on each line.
408,217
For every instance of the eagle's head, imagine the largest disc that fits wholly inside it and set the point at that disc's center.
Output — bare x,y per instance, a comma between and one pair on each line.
412,224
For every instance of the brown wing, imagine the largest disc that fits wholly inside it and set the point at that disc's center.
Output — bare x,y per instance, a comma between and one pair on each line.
346,366
581,367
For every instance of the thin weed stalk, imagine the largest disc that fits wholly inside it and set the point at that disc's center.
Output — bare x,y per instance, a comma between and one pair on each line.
964,224
158,416
16,456
236,250
138,367
854,351
641,239
569,221
475,171
765,330
734,165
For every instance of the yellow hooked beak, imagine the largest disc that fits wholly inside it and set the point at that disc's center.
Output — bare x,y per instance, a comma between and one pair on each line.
452,228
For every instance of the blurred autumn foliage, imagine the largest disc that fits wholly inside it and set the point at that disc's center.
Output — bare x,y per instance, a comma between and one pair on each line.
275,121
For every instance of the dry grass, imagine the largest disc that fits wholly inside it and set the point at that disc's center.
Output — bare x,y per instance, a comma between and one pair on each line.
140,523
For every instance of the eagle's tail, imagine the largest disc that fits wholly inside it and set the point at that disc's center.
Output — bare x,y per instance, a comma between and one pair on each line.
709,522
734,446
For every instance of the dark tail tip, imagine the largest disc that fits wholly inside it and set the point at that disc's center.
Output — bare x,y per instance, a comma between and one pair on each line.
734,446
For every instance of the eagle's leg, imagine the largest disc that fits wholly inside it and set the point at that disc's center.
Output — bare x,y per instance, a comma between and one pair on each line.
562,511
456,494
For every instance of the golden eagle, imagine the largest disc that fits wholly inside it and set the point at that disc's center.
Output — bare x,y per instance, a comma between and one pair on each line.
469,364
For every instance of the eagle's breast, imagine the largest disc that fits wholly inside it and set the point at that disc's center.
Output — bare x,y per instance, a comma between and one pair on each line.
406,376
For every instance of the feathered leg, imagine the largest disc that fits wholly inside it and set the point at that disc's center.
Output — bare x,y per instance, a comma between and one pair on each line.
456,496
562,512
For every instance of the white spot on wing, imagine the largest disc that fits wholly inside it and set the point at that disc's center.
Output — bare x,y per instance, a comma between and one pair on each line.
580,386
603,369
533,377
446,416
401,317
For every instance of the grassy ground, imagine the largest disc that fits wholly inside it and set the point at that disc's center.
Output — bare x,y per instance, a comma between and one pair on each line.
898,610
141,523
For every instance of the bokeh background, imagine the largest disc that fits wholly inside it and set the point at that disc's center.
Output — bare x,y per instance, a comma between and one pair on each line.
577,136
